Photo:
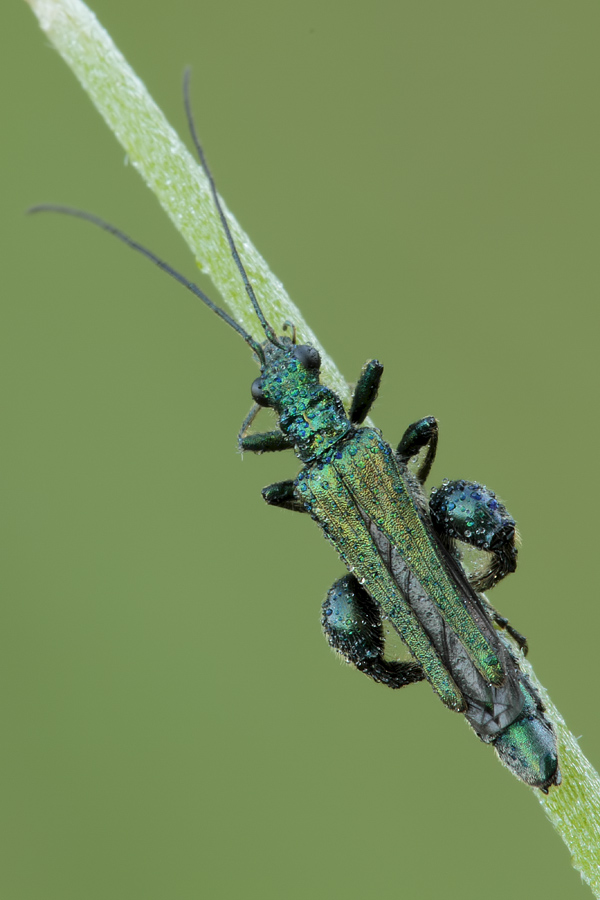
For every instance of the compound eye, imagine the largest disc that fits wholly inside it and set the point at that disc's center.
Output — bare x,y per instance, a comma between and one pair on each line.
258,392
307,356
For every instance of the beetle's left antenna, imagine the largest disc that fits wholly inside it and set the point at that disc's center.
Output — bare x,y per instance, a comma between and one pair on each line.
270,333
190,285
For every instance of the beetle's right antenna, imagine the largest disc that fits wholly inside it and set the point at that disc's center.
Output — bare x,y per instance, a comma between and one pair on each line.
190,285
270,333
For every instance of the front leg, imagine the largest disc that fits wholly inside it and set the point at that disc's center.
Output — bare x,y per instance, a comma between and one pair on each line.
365,391
264,442
352,624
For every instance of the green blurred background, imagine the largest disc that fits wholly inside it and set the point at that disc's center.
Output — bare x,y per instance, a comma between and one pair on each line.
424,177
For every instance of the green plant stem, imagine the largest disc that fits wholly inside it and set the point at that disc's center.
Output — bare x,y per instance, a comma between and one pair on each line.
182,189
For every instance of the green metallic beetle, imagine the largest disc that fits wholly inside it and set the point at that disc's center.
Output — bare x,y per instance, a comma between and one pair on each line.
404,555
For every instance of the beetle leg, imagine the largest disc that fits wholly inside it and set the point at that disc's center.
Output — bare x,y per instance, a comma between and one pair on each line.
282,494
265,442
365,391
420,436
352,624
467,513
505,625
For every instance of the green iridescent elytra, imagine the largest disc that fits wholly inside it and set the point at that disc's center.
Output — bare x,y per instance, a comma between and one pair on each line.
363,480
403,553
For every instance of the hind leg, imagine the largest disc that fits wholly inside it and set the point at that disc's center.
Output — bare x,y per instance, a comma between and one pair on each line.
467,513
352,624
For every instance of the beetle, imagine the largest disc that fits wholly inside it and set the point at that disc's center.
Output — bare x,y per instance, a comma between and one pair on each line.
404,554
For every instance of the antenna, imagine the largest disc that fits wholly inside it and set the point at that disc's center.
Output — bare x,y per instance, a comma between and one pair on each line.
190,285
270,333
